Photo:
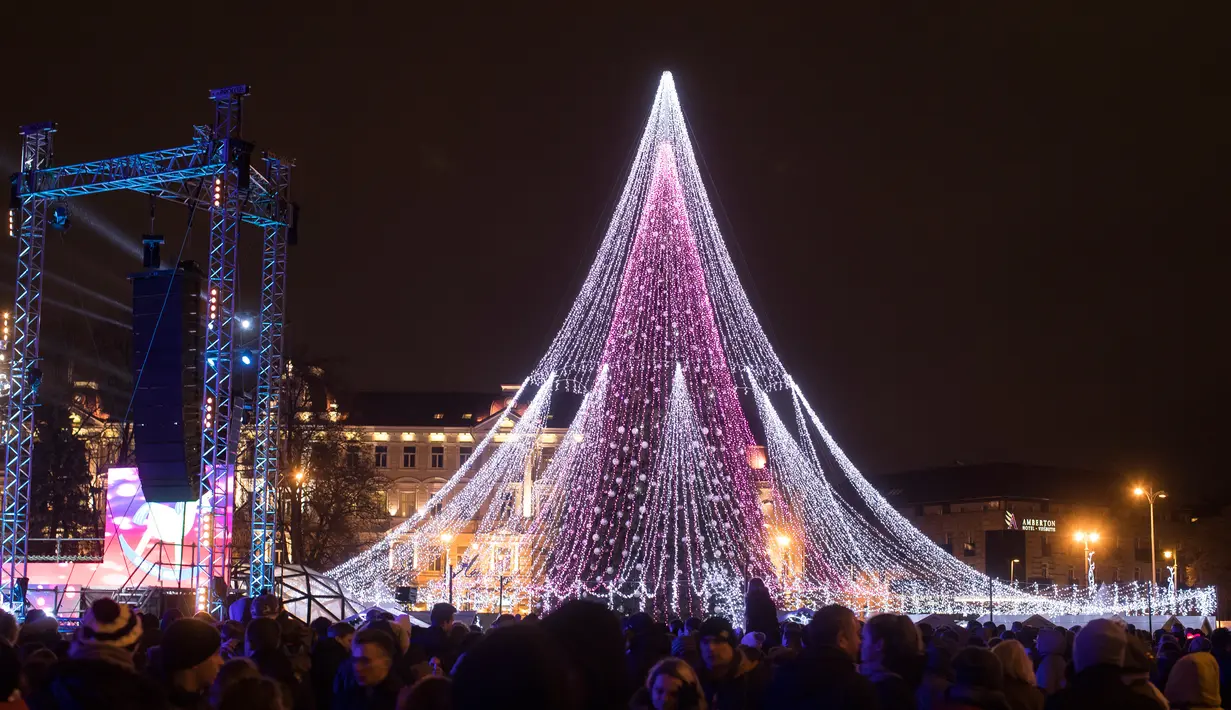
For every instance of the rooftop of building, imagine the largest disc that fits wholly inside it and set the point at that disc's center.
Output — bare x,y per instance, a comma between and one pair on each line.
999,480
447,409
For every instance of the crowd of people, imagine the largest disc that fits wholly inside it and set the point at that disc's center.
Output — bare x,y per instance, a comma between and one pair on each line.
584,656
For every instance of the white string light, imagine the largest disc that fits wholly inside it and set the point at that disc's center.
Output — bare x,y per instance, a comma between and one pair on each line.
652,499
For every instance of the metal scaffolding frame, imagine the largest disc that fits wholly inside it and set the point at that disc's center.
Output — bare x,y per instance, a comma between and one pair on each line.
212,173
265,476
28,218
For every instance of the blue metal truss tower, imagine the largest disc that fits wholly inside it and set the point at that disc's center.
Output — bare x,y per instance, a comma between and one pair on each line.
213,173
265,477
29,221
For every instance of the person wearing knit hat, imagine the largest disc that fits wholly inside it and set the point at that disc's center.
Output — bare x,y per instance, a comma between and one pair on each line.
728,675
190,661
109,631
1098,658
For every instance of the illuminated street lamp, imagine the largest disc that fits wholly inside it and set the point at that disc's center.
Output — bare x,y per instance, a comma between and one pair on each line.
1012,568
1086,538
784,541
1151,495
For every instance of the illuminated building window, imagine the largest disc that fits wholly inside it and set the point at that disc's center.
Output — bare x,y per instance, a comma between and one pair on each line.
382,457
406,501
438,416
463,455
436,564
352,456
467,415
408,457
438,457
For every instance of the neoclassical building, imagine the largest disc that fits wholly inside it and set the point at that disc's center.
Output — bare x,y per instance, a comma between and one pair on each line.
419,440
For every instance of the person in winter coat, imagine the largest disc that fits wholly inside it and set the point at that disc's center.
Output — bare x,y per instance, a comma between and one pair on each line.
1019,683
647,645
825,668
1193,683
330,653
890,657
376,685
1220,647
1168,653
977,681
937,674
730,679
671,684
1098,659
1050,675
761,613
1137,667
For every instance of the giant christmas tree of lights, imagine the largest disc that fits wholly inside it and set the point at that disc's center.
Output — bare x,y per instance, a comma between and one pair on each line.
658,496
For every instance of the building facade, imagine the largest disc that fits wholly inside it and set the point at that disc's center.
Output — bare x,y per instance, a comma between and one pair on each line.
1036,523
418,441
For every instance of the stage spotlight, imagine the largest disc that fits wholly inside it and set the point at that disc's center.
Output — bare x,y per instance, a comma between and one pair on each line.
245,322
246,357
60,217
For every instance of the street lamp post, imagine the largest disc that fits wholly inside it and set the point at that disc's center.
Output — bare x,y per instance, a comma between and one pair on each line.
1172,568
500,601
1151,495
1012,568
446,539
1086,538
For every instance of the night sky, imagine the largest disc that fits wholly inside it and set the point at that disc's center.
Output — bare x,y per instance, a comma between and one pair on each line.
971,235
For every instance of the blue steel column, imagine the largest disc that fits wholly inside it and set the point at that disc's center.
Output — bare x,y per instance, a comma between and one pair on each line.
266,472
36,154
217,441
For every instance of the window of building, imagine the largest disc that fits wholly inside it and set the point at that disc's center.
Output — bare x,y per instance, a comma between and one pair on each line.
437,563
438,416
1136,574
1046,551
968,548
463,455
352,456
1046,570
408,457
468,416
1072,577
382,457
406,503
438,457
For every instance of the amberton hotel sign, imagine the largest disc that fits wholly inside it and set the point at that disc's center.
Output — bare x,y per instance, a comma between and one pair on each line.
1029,524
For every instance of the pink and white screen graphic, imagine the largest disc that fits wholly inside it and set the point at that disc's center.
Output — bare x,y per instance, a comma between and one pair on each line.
145,543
